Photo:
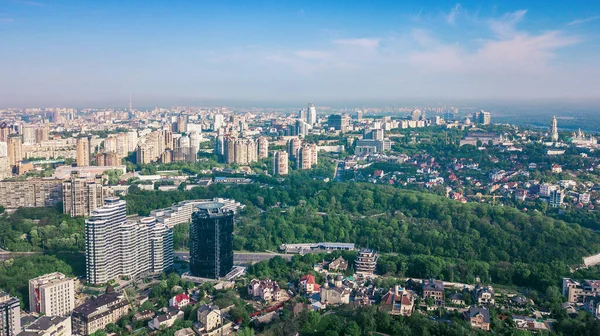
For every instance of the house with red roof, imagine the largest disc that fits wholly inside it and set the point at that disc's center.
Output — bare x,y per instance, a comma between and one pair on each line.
179,301
309,284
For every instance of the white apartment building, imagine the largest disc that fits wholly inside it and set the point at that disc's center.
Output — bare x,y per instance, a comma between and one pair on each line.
181,212
52,295
117,247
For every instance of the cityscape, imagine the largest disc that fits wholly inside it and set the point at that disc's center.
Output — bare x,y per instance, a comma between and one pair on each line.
305,201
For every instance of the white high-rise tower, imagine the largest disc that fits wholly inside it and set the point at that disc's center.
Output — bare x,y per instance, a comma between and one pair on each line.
554,129
311,115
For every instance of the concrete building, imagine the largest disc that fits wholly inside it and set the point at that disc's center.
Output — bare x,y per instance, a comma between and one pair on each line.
98,312
181,212
49,326
280,163
10,315
210,317
117,247
293,147
30,193
338,122
483,118
307,156
311,115
365,262
554,129
263,147
52,295
14,150
211,240
82,194
83,151
242,151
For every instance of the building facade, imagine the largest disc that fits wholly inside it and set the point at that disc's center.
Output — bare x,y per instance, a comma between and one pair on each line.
10,315
117,247
365,262
211,241
30,193
280,163
83,151
82,194
52,295
98,312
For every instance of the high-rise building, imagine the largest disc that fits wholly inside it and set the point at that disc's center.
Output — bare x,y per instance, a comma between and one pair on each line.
302,115
82,194
338,122
280,163
5,131
359,115
415,114
554,129
117,247
263,147
293,146
52,295
311,115
218,121
211,241
15,149
241,150
182,121
483,118
29,134
10,315
83,151
307,156
3,149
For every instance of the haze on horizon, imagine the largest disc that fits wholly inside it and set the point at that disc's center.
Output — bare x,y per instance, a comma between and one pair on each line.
58,53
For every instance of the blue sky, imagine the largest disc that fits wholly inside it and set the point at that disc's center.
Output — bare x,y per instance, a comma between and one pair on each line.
76,53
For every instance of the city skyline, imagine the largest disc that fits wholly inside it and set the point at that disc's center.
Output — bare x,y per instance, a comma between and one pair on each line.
92,54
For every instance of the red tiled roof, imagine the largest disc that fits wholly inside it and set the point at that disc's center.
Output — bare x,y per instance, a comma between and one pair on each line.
181,297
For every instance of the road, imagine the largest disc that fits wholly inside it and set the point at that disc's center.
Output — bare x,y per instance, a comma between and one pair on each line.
243,258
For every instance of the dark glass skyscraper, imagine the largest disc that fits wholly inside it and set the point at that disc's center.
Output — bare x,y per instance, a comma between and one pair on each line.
211,241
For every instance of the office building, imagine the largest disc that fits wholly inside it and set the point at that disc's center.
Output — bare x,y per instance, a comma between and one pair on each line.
366,261
49,326
52,295
483,118
280,163
10,315
99,312
311,115
83,151
30,193
118,247
14,150
211,241
82,194
338,122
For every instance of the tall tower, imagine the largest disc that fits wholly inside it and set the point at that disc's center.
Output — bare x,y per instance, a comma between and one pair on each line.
311,115
280,163
83,151
211,241
554,129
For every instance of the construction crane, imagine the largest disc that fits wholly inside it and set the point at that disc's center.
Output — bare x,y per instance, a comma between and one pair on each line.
480,196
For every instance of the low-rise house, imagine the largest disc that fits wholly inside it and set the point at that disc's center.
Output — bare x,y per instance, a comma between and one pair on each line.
98,312
433,289
458,299
338,294
519,301
309,285
209,317
267,290
179,301
166,320
484,295
400,300
529,324
49,326
478,317
143,315
339,264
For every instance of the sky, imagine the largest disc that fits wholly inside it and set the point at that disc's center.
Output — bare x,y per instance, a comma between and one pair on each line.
97,53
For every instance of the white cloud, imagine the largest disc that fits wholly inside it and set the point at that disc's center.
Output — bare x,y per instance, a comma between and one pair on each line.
578,22
505,27
366,43
451,17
